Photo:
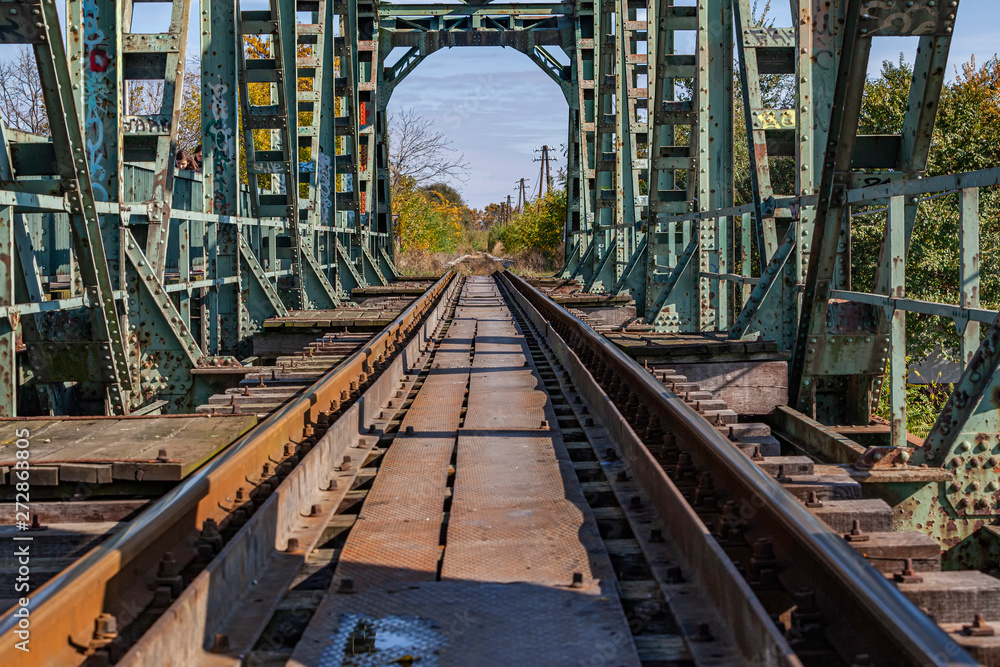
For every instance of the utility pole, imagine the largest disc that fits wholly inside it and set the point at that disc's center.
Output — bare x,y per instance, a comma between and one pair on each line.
522,196
506,211
544,171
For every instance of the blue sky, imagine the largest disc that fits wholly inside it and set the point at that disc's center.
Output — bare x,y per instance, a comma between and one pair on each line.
498,106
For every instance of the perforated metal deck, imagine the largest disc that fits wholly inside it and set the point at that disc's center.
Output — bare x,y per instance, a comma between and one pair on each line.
519,527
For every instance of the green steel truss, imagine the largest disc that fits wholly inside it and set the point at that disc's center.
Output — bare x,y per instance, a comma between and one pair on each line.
129,273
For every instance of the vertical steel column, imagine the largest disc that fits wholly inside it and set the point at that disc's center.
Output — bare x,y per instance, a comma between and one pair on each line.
715,142
278,70
583,127
605,158
758,119
184,270
211,325
969,278
894,263
771,311
836,374
626,129
220,164
326,145
102,91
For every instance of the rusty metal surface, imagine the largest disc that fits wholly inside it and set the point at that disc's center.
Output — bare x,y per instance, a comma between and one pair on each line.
397,536
112,578
518,515
519,528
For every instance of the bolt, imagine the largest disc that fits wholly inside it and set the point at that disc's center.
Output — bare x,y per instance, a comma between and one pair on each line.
979,628
656,535
856,534
293,545
908,575
346,586
105,627
577,580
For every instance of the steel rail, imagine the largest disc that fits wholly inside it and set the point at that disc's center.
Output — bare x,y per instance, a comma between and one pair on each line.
865,613
721,595
118,577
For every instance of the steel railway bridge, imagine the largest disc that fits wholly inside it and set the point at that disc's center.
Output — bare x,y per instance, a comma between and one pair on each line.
232,432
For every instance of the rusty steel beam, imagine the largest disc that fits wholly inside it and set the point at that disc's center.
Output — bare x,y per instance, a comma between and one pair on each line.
111,586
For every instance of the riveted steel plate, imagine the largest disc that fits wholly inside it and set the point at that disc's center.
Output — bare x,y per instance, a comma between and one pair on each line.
398,532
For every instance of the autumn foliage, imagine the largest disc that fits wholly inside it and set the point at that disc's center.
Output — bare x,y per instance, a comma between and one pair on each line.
425,220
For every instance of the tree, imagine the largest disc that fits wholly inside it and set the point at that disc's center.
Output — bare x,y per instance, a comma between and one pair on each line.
421,153
539,226
425,220
495,214
21,102
966,138
448,192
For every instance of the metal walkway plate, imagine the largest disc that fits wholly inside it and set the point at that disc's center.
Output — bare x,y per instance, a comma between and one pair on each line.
519,527
397,537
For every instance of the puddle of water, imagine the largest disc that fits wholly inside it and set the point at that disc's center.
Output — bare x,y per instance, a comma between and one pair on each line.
369,641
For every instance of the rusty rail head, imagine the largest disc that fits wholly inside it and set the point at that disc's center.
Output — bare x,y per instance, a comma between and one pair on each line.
841,578
114,577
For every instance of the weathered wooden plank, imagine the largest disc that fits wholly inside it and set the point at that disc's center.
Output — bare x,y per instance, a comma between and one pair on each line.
98,451
81,511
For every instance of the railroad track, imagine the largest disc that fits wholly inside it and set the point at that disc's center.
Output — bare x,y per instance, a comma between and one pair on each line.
67,529
683,548
105,602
